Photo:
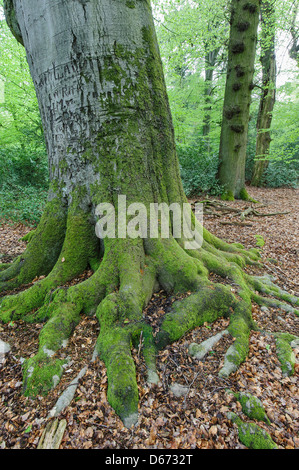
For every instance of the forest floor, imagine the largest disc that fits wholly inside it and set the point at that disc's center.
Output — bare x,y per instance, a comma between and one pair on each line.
197,420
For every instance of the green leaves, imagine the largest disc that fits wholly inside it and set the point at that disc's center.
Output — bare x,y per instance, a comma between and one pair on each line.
20,122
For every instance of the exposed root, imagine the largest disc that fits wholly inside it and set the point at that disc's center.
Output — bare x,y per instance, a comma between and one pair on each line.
43,371
79,246
119,290
4,266
42,251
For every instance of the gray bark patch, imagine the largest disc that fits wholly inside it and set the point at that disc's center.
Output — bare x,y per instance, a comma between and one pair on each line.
4,348
179,390
199,351
65,399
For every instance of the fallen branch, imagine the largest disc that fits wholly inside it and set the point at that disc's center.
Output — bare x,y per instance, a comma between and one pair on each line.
224,208
52,435
239,224
260,214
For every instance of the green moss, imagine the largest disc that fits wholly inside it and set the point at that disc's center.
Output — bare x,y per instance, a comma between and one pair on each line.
28,236
285,352
42,250
252,407
43,371
239,329
176,270
238,245
265,285
41,374
240,325
80,244
4,266
122,325
210,303
251,435
228,196
122,390
114,348
244,195
259,240
131,3
63,165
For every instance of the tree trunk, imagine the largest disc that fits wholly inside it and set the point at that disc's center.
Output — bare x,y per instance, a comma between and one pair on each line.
100,86
210,62
234,130
294,49
267,100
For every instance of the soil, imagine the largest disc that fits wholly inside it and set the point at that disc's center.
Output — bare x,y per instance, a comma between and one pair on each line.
197,420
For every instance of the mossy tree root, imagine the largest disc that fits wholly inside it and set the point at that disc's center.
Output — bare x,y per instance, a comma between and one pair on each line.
118,291
79,248
42,250
43,371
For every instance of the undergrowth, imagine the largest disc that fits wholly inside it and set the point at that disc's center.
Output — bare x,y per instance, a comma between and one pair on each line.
23,184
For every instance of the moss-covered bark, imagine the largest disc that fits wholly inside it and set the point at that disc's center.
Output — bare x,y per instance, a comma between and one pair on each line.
235,119
268,94
109,134
251,435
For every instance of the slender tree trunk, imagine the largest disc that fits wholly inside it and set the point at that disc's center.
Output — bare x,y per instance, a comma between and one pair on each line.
267,100
99,82
234,131
294,49
210,62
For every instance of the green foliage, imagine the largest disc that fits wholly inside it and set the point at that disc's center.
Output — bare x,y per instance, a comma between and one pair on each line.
283,168
198,170
187,33
282,173
23,160
23,184
20,122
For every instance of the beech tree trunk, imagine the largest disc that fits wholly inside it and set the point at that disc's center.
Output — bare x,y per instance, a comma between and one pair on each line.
294,30
210,62
99,81
267,100
240,69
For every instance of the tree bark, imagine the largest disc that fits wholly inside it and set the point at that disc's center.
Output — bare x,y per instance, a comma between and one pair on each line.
99,81
235,119
267,101
294,49
210,62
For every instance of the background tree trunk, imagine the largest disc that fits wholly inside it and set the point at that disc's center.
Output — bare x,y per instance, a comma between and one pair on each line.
267,100
294,49
234,130
210,62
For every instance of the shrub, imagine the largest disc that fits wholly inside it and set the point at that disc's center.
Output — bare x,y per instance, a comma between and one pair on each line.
198,170
23,184
281,173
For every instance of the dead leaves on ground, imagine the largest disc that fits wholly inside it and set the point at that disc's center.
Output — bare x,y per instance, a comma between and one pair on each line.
195,421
